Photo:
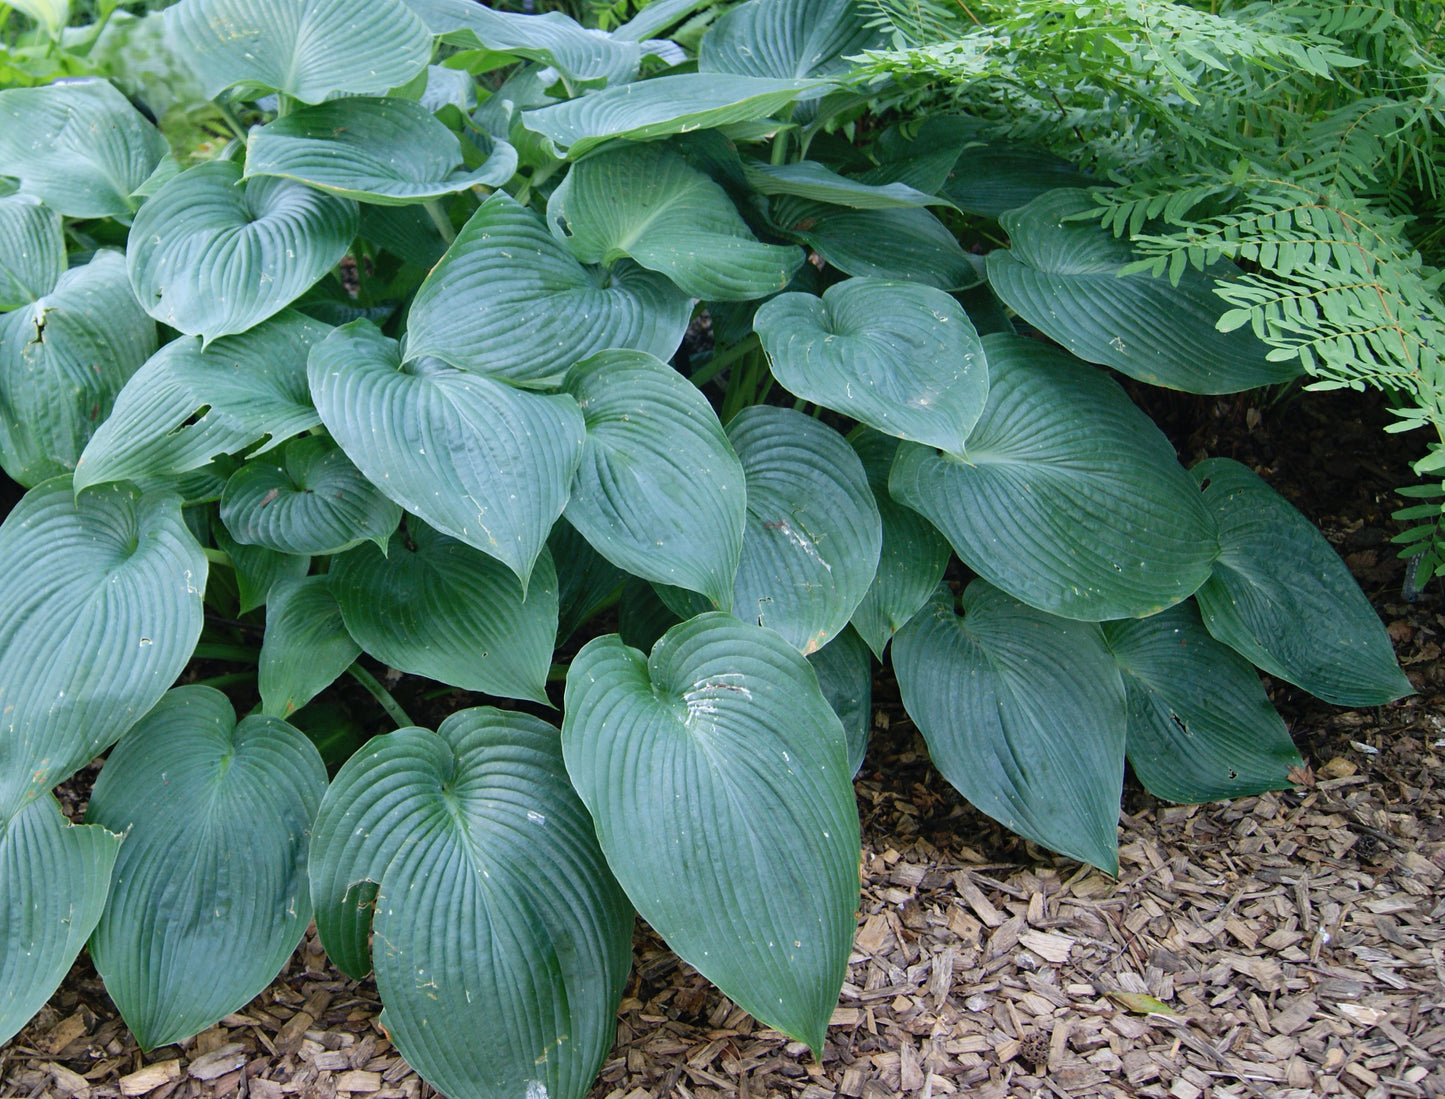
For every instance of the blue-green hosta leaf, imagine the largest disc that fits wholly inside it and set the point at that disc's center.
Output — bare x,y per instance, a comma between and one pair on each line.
811,180
102,598
32,250
310,50
660,492
1200,725
645,202
905,243
63,360
257,568
510,301
501,940
845,676
392,152
1063,278
449,88
718,779
550,38
813,534
1069,497
912,560
1282,597
1024,714
787,39
436,607
586,580
52,15
211,254
186,405
476,458
998,176
655,18
663,106
217,820
306,499
900,357
82,149
306,645
56,877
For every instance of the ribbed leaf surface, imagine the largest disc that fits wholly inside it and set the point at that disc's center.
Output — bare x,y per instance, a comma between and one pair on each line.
811,544
32,250
908,244
1001,176
845,676
476,458
510,301
306,499
1200,725
56,877
900,357
1024,714
186,405
306,645
550,38
308,49
433,606
212,255
1063,278
787,38
718,779
80,148
391,152
102,601
1282,597
666,105
586,580
645,202
1070,499
912,559
210,895
660,492
63,360
257,568
502,942
811,180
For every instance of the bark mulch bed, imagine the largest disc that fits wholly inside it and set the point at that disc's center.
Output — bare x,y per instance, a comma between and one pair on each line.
1282,946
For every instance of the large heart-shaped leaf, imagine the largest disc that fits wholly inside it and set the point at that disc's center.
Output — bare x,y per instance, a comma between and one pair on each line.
809,179
434,606
647,203
393,152
787,38
1200,725
912,559
306,645
1063,277
310,50
666,105
80,148
510,301
1024,714
56,877
63,360
102,598
999,176
211,254
660,492
551,38
217,819
718,779
476,458
188,404
32,250
813,534
1282,597
845,676
501,941
900,357
307,499
1069,497
906,243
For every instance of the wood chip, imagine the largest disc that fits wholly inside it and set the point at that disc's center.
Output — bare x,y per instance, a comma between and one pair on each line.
150,1077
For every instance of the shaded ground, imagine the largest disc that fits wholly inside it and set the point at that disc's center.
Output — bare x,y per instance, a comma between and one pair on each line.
1295,938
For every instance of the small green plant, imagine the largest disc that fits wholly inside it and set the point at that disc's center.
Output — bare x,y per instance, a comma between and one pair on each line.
394,375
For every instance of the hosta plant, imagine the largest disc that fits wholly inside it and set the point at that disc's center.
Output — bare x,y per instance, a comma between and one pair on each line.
398,371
